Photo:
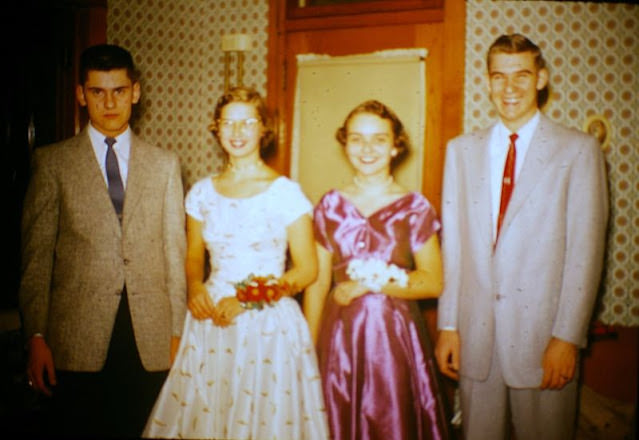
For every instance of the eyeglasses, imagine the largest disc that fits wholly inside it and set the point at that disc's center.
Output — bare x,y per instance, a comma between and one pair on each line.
244,125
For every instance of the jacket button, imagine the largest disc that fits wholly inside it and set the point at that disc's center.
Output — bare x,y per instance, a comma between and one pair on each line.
126,261
498,297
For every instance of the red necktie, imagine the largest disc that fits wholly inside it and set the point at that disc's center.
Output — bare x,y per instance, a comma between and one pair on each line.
508,182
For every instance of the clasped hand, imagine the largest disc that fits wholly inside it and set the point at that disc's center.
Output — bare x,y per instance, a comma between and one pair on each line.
347,291
202,307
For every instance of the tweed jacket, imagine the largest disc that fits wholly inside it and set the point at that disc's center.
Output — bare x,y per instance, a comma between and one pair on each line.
77,257
542,277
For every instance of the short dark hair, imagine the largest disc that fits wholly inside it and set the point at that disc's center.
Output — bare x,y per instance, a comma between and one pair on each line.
105,57
400,136
517,43
248,96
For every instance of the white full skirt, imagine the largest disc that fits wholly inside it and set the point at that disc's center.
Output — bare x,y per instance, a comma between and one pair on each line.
257,379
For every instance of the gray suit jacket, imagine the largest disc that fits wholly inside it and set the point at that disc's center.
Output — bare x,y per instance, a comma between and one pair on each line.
77,257
542,278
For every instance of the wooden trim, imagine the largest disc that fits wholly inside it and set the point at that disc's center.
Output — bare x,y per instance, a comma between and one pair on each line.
443,29
294,11
365,20
90,29
452,104
275,84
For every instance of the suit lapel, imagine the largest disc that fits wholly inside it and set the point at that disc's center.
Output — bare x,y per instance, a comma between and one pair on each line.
136,180
479,172
87,168
88,175
541,149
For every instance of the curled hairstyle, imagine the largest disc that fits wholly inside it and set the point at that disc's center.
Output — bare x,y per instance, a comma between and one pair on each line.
374,107
105,57
247,96
517,43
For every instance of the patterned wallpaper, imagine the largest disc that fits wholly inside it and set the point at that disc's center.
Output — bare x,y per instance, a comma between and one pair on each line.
592,49
177,46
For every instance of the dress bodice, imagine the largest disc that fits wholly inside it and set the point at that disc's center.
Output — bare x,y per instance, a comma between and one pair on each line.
245,235
391,234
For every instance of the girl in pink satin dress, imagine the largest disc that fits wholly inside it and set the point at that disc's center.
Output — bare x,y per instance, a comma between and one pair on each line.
378,374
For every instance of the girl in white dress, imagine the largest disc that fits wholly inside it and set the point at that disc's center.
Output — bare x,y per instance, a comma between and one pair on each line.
243,373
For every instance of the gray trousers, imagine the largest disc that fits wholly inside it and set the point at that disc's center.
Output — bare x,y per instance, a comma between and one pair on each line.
490,408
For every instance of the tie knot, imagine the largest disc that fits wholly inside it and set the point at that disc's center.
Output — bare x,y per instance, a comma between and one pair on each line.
110,141
513,138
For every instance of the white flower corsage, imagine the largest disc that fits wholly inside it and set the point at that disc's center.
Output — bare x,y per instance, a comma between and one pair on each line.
374,273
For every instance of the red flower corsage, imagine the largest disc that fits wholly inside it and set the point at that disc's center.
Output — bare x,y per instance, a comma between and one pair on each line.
256,291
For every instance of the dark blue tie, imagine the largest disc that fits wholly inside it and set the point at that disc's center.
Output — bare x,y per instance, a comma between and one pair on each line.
116,189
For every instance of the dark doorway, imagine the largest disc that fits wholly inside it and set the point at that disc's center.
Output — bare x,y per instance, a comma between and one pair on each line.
40,43
41,40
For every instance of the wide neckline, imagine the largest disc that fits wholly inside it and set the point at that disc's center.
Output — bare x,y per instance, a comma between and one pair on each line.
266,190
378,210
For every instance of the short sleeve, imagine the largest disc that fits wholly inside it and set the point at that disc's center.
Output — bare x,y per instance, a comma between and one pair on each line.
423,222
293,198
194,198
320,229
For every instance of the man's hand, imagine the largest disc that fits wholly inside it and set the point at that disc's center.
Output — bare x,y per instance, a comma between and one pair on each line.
447,353
40,362
559,363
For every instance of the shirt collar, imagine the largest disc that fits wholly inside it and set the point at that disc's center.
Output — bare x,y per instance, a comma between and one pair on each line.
524,133
123,140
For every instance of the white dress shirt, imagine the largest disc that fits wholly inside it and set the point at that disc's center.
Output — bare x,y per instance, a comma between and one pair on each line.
122,148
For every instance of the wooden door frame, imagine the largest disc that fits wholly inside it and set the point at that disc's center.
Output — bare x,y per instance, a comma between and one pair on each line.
445,114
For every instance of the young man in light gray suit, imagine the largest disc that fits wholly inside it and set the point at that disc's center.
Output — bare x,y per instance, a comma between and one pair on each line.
103,283
520,285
